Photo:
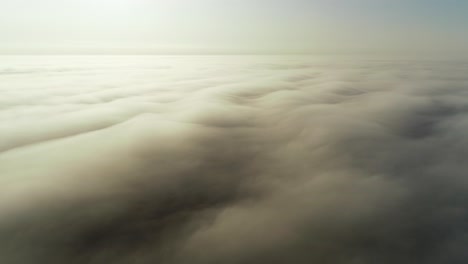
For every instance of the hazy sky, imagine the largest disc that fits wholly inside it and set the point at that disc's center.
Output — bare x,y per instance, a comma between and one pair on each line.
147,26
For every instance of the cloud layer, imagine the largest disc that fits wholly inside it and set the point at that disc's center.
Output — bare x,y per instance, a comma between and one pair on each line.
232,160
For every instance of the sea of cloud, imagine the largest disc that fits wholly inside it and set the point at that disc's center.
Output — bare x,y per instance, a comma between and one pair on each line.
233,160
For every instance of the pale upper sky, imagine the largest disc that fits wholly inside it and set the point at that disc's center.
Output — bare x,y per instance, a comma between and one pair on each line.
233,26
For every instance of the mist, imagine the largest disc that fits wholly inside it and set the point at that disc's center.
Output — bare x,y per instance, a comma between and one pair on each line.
232,159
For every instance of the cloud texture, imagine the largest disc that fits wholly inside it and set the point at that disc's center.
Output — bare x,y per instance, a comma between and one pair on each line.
208,160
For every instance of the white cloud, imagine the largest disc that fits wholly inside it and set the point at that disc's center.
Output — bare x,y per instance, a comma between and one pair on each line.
232,160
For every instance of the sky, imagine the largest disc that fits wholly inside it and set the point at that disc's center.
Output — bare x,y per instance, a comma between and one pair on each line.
233,26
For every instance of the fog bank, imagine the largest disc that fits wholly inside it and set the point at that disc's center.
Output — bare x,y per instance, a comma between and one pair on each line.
232,159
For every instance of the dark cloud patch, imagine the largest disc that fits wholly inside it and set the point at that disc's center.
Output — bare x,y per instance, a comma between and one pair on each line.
233,160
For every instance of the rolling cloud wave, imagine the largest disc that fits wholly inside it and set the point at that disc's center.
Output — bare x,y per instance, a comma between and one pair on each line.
232,160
